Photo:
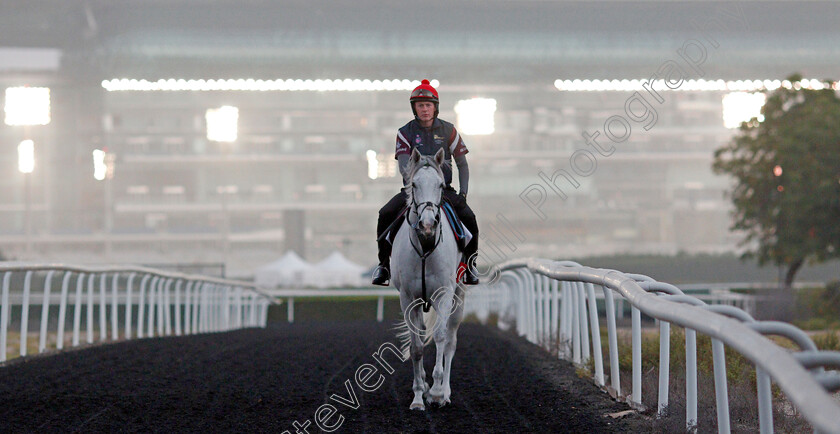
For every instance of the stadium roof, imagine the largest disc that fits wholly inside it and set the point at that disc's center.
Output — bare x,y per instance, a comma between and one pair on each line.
489,40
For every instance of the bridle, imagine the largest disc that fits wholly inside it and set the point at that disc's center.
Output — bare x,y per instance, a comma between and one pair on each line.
423,252
419,208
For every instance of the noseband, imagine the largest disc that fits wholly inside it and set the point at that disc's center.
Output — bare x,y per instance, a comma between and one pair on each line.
419,208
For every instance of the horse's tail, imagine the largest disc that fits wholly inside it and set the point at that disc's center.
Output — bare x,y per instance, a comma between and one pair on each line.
429,320
404,332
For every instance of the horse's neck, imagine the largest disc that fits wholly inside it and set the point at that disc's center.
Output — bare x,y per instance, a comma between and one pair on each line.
442,261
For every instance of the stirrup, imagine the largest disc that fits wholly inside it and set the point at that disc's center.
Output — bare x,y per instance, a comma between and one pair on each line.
470,278
465,275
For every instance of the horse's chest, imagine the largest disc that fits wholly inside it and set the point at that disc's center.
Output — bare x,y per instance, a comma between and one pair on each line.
440,265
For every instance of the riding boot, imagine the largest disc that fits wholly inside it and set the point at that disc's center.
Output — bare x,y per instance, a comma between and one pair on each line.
470,250
469,273
389,212
382,274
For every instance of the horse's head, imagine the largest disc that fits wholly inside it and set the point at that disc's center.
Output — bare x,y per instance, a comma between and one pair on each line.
424,194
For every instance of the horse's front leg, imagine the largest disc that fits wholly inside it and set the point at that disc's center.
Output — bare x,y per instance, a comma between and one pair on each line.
451,342
443,306
416,336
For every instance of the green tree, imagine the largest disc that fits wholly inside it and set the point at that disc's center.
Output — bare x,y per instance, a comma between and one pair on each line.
787,178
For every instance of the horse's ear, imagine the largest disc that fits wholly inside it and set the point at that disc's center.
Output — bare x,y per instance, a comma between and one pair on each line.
439,155
415,156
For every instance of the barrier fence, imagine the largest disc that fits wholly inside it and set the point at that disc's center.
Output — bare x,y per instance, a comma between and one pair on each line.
546,301
120,303
550,302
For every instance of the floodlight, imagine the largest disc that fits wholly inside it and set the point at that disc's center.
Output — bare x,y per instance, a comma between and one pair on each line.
99,167
222,123
26,156
27,105
742,106
475,116
227,189
373,164
250,84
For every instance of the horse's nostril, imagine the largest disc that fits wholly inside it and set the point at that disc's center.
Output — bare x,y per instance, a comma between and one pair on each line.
427,228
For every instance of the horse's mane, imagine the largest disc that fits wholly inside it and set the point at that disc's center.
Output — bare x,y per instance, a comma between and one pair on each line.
413,168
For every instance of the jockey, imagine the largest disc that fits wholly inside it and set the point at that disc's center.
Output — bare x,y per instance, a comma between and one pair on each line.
428,134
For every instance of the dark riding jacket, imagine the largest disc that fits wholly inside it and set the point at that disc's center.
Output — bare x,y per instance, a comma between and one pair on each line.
427,141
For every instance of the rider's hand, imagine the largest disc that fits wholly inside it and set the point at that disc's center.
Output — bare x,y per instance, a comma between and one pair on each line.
464,195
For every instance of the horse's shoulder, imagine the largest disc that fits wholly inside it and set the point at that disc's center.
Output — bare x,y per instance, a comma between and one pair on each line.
402,230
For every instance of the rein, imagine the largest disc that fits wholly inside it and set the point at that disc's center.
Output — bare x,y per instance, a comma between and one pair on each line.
420,251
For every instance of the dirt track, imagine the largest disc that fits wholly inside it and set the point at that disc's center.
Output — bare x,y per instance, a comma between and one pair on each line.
265,380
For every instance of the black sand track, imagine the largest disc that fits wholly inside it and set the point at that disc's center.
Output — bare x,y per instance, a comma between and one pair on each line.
265,380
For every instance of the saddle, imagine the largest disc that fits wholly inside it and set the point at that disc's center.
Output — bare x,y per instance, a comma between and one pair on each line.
462,235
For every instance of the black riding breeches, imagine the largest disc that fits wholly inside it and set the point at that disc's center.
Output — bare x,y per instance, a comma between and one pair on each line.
387,215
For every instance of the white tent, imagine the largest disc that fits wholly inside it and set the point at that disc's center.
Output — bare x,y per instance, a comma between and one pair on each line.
336,270
288,271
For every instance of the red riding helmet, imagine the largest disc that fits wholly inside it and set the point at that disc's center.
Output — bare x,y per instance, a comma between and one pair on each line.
424,92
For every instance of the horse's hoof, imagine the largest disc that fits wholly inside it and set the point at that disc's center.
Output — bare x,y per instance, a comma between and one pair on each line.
417,406
440,404
437,400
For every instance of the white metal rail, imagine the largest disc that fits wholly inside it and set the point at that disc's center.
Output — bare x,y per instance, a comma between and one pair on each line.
130,302
550,301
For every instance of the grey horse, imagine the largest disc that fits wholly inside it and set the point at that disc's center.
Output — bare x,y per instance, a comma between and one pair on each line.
424,266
